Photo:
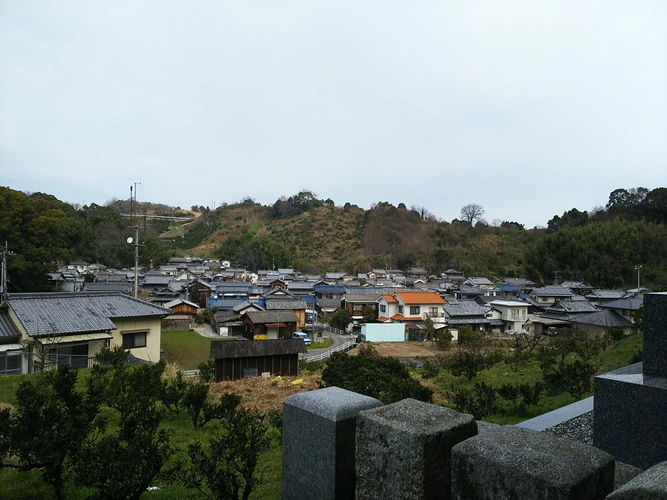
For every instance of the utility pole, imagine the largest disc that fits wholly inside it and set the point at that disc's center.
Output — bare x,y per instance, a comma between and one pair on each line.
638,267
3,279
130,240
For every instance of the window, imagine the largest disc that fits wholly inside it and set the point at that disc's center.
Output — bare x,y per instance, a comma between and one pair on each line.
400,309
357,307
383,308
10,363
414,310
134,339
515,314
523,314
433,312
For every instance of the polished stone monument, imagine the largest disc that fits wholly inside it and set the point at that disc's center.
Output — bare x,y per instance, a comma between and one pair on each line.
631,403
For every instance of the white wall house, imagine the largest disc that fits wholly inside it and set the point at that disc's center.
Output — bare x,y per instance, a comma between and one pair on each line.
513,313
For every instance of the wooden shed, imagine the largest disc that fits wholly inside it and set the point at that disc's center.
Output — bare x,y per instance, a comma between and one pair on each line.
269,325
250,358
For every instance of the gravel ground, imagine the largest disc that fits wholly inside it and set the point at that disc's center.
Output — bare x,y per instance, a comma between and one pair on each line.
579,428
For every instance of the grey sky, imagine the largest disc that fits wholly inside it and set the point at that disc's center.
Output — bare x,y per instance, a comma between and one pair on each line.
527,108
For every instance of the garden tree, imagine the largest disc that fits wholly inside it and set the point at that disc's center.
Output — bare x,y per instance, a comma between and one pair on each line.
369,314
522,346
340,319
471,213
469,363
368,373
443,338
479,401
225,469
521,396
122,465
51,423
195,399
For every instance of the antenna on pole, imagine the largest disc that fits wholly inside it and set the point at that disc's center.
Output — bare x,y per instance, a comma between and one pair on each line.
555,273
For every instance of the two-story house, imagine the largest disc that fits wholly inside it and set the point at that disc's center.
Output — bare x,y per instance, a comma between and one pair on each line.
513,313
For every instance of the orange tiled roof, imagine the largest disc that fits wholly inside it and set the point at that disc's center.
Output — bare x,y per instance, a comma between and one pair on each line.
389,298
420,298
400,317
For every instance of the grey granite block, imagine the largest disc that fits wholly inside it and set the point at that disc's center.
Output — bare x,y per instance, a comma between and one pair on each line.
623,473
404,450
655,334
516,463
629,417
319,442
483,426
649,485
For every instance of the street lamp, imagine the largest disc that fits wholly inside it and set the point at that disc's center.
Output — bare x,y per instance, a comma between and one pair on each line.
638,267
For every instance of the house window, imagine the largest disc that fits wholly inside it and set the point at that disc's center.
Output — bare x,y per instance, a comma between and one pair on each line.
383,308
414,310
400,309
433,312
515,314
134,340
10,363
523,314
357,307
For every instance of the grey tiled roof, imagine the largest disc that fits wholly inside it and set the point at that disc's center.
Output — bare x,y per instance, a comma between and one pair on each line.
364,298
284,305
260,317
65,313
629,304
465,308
552,291
606,318
7,328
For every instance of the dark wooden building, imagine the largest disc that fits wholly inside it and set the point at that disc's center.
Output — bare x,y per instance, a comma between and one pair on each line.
250,358
269,325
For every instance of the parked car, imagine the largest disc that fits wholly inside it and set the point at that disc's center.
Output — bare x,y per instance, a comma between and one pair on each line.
303,336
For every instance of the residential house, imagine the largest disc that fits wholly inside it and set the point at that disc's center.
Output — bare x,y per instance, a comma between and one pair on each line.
269,325
228,322
297,306
239,359
72,327
12,361
544,297
602,296
356,304
336,276
417,272
460,313
598,323
184,314
329,291
411,308
628,308
514,314
578,287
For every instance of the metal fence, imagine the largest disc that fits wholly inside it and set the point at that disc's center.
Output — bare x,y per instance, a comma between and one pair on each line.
321,357
53,361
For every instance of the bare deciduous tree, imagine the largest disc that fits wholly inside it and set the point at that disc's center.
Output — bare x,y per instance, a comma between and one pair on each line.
472,212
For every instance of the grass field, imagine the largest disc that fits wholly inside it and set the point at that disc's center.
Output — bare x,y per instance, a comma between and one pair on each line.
186,349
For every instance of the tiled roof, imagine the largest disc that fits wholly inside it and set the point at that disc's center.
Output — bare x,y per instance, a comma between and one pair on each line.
552,291
221,349
260,317
606,318
284,305
364,298
465,308
420,298
64,313
629,304
7,328
390,298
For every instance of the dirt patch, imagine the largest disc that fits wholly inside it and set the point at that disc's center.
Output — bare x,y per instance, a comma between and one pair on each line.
266,394
406,350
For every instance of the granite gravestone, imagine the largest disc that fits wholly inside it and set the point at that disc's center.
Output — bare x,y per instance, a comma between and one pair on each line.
631,403
404,450
319,443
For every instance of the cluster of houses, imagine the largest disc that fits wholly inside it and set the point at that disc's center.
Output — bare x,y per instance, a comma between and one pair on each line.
94,307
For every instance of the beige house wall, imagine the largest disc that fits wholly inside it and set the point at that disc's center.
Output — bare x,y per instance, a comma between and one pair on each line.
151,325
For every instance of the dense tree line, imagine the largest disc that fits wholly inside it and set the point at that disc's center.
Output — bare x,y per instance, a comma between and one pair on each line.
44,233
600,247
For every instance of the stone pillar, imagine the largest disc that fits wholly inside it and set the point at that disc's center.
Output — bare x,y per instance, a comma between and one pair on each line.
649,485
516,463
319,442
404,450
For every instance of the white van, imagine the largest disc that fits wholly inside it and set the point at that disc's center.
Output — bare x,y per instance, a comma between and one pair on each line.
303,336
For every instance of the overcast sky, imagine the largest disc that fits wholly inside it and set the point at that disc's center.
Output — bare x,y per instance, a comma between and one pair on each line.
526,108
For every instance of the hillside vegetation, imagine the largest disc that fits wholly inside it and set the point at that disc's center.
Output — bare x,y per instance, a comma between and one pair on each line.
315,236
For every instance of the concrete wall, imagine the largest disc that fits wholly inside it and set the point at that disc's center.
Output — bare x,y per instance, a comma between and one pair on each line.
383,332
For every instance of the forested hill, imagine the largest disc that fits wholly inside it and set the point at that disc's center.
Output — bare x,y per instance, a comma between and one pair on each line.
315,236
